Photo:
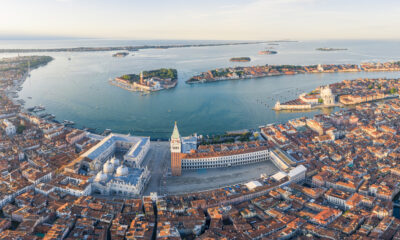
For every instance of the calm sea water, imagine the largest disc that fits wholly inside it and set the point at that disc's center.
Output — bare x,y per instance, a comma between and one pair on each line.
78,89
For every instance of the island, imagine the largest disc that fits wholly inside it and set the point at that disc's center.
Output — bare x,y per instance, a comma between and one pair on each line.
123,48
343,94
267,52
240,59
148,81
120,54
234,73
331,49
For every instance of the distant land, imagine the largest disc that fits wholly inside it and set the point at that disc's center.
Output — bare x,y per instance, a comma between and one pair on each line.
331,49
235,73
127,48
240,59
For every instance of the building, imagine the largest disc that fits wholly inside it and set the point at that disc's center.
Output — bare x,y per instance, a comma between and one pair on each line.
116,178
226,155
327,96
9,128
186,156
136,149
297,174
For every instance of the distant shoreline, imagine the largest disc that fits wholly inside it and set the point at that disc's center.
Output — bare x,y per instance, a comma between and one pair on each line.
126,48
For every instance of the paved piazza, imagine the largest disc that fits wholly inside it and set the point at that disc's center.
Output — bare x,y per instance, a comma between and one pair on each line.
207,179
158,161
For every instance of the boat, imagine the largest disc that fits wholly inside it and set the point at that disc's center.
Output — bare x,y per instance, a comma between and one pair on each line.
44,115
29,97
267,52
68,122
69,59
39,108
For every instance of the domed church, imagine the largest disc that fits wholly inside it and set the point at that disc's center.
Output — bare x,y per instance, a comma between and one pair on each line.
116,178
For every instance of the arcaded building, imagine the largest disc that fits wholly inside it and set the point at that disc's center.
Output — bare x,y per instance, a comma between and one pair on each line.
214,156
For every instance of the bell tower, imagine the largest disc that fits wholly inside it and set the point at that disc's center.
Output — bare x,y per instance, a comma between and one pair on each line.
141,77
176,155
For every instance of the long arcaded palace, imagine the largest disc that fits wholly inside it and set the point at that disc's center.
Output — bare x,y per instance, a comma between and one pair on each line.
185,155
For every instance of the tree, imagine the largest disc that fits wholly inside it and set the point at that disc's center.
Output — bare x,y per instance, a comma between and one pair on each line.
20,128
320,100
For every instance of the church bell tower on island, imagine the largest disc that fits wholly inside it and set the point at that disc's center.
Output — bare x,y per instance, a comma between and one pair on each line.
176,155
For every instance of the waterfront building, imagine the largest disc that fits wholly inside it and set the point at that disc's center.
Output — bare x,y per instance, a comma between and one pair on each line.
297,104
327,96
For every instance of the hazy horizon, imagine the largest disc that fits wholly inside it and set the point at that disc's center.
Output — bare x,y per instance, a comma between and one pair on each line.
201,20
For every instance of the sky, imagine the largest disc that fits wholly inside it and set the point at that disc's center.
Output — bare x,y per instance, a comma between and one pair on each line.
202,19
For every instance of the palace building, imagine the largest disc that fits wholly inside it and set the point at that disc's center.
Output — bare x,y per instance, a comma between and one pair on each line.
213,156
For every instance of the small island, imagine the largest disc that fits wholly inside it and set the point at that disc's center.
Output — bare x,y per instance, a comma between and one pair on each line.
148,81
331,49
240,59
120,54
267,52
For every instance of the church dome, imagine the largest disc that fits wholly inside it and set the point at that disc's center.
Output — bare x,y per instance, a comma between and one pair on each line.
122,171
100,177
108,167
326,91
115,162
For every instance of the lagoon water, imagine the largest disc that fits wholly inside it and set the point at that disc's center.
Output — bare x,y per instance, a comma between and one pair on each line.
78,89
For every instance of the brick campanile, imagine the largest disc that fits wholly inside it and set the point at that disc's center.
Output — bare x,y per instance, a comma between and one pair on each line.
176,155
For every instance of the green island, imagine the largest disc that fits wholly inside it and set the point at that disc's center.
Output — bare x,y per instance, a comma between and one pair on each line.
240,59
331,49
148,81
162,73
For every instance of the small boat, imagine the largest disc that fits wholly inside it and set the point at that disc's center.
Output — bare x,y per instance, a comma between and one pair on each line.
43,115
69,59
39,108
51,116
67,122
29,97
